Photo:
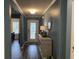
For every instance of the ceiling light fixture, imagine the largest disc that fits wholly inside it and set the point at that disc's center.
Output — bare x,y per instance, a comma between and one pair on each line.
32,11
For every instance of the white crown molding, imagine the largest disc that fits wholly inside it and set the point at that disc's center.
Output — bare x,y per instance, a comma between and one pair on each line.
17,5
20,10
52,2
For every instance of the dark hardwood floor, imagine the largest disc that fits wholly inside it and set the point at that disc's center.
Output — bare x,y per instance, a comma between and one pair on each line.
16,52
30,51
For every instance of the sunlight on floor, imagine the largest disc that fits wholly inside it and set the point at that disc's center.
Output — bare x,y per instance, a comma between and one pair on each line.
15,50
32,52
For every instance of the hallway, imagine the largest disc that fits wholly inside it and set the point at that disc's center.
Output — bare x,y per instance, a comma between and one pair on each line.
40,29
31,51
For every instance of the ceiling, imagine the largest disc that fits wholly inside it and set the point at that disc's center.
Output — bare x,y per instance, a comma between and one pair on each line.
38,5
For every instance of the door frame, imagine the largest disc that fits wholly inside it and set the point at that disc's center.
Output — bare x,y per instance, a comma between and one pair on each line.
72,34
68,28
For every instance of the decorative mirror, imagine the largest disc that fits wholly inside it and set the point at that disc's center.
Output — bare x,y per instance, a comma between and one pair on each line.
49,25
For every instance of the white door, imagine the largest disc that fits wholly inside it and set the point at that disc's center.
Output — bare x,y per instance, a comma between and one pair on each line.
32,29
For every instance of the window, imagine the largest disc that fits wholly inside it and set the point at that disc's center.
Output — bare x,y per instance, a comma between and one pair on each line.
15,26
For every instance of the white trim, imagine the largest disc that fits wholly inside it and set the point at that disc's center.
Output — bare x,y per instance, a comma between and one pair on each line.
19,8
52,2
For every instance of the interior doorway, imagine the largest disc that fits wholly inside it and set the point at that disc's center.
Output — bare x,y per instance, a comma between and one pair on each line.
32,29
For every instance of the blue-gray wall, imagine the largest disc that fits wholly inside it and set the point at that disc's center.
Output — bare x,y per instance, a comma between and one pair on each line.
58,31
7,30
23,29
68,29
